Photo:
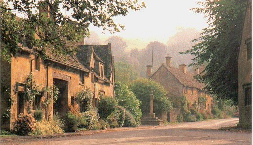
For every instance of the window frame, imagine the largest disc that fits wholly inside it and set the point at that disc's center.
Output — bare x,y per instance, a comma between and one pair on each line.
37,102
37,63
81,75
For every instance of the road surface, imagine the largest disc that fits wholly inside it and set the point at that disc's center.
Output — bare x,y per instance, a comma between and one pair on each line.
196,133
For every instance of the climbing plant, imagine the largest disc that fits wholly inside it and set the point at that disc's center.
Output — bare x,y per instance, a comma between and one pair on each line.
31,90
85,95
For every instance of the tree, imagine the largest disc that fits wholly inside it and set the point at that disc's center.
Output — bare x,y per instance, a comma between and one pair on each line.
128,100
118,47
143,88
58,24
159,54
218,46
125,72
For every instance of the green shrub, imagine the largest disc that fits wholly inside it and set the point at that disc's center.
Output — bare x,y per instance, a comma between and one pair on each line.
129,120
129,101
216,112
45,127
106,106
143,88
5,132
103,124
180,118
114,118
190,118
199,116
193,111
82,121
24,124
91,117
38,115
70,122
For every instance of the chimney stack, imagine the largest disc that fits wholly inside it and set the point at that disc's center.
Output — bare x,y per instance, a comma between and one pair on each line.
168,61
149,71
182,68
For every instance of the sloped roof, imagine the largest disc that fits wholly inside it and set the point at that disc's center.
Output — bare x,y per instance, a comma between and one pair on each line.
68,60
101,52
186,79
81,60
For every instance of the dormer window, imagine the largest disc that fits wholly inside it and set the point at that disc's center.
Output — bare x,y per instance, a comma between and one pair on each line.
101,71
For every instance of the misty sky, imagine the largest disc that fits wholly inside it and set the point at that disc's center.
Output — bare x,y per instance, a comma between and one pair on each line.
160,20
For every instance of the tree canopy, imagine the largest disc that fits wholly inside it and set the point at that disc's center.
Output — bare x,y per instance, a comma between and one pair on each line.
218,46
125,72
58,24
143,88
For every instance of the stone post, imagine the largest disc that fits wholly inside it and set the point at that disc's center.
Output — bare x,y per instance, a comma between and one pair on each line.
151,105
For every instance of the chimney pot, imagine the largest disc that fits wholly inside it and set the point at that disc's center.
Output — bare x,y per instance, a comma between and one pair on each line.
182,68
168,61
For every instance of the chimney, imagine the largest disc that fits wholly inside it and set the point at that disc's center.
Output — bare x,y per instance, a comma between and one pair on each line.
149,71
168,61
182,68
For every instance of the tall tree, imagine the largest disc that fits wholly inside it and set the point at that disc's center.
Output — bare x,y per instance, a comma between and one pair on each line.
159,52
58,24
125,72
218,46
118,47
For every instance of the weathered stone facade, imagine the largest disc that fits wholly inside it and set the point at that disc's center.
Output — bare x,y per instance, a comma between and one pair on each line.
178,82
245,71
68,74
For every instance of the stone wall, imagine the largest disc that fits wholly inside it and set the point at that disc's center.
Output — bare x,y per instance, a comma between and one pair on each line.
245,70
24,64
168,81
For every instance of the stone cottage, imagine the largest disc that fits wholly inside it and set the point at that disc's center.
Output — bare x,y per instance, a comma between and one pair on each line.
179,82
91,68
245,71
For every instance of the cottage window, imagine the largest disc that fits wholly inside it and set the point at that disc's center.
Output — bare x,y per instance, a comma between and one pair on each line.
192,91
82,77
37,102
72,100
37,62
249,48
248,94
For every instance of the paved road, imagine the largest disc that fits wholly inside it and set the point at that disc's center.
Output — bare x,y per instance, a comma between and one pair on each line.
197,133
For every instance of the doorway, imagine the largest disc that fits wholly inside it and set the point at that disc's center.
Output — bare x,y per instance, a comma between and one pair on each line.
61,104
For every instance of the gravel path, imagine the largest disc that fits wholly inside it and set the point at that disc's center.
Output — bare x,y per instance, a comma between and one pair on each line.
197,133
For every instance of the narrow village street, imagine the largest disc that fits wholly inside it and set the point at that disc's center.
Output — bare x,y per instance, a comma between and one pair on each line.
197,133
